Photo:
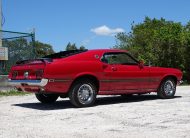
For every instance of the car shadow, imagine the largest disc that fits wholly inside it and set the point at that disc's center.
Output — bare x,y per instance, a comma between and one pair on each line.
108,100
61,104
131,99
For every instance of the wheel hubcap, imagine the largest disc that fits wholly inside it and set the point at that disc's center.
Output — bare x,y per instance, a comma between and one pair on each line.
85,94
169,88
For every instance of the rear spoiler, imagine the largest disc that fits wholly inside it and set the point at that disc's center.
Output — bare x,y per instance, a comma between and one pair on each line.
49,58
44,60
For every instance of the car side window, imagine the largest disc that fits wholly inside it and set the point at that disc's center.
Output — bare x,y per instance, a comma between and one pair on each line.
118,58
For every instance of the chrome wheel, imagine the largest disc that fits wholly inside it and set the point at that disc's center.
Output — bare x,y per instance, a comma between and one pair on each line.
169,88
85,94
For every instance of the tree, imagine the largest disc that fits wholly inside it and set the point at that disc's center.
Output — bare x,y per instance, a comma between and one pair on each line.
71,47
43,49
164,43
74,47
187,49
82,48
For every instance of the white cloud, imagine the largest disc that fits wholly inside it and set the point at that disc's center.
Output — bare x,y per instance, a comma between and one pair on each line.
106,31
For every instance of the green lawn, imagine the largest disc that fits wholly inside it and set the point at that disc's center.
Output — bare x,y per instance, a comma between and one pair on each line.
12,93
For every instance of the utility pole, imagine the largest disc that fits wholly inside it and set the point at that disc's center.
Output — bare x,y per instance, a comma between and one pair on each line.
3,50
0,23
1,61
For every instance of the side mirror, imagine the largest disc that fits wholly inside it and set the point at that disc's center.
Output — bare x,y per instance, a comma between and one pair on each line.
141,64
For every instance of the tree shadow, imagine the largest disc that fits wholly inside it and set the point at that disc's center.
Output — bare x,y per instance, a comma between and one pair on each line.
108,100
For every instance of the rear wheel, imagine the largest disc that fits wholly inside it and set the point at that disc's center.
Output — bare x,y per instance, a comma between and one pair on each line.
46,98
83,93
167,89
126,95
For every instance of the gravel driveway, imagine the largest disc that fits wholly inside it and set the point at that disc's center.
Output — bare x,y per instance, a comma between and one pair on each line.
113,117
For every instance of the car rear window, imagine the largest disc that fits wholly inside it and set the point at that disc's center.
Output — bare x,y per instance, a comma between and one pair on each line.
64,54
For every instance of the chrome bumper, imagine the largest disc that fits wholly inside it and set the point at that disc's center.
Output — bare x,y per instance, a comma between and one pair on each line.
40,83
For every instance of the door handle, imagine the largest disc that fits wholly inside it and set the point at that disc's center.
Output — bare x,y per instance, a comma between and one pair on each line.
113,68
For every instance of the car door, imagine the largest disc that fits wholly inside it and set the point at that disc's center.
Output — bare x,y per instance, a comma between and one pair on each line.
125,73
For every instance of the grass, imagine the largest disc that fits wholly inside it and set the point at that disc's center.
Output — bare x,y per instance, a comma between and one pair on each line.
12,93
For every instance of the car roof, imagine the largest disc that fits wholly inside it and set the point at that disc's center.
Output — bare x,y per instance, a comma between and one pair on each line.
107,50
63,54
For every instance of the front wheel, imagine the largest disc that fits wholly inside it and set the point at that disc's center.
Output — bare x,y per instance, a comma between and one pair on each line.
167,89
46,98
83,93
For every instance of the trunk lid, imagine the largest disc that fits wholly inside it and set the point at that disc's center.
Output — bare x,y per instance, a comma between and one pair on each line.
34,69
29,69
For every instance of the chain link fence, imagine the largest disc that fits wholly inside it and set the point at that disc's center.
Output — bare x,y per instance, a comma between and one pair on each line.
20,46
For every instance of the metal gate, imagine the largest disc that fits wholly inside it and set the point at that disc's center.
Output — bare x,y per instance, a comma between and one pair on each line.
15,46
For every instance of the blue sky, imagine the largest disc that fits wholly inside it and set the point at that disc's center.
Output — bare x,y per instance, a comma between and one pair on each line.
91,23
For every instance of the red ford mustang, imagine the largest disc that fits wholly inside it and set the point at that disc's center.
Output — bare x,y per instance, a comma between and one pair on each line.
81,75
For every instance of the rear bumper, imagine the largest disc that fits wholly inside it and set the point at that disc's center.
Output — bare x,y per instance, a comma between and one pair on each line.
40,83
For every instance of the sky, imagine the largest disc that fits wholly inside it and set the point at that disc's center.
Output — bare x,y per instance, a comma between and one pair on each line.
92,23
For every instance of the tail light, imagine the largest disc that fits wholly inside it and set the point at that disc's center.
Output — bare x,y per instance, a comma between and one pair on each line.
39,74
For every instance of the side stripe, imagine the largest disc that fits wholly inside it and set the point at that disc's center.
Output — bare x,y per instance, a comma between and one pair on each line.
133,80
59,80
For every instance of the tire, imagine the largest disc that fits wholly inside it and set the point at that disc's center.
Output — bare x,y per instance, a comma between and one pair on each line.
83,93
46,98
167,89
126,95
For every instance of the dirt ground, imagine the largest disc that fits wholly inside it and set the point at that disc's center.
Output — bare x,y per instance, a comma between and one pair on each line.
112,117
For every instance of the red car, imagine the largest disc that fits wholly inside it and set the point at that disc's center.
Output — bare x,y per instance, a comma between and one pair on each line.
81,75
